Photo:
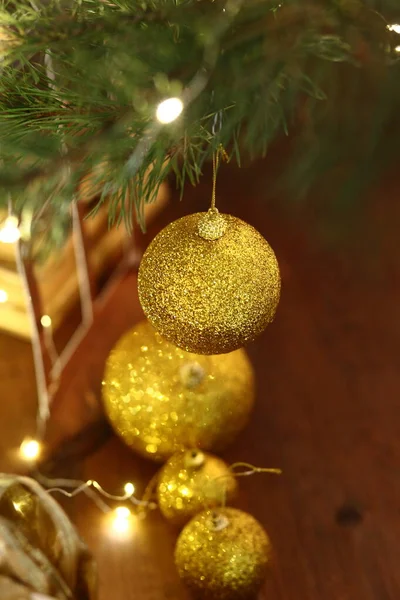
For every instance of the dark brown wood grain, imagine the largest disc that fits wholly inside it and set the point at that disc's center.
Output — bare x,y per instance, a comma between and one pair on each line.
327,412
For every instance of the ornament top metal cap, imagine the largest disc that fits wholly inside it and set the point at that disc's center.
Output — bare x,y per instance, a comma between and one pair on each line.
211,225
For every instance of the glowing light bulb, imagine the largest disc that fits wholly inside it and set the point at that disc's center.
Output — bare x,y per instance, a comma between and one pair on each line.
129,488
121,523
46,321
122,512
3,296
169,110
394,27
30,450
18,506
397,49
9,231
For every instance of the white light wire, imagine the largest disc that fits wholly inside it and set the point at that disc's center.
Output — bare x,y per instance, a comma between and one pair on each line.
59,360
40,373
90,488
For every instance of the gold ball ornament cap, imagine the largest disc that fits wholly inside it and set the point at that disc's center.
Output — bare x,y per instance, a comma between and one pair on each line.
223,555
209,283
161,399
211,225
192,481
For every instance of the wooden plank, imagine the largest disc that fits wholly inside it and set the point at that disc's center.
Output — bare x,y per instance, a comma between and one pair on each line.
100,257
7,253
10,281
15,321
96,227
327,409
327,413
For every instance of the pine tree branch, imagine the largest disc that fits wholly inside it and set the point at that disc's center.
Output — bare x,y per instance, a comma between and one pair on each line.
268,67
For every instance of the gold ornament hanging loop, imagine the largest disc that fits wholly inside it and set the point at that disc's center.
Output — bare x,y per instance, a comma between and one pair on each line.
216,156
239,469
212,225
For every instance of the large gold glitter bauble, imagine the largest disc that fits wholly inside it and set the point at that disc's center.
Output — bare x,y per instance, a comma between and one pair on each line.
223,555
161,399
206,288
192,481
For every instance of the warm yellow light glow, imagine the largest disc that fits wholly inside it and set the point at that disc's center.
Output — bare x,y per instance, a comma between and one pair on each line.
18,506
121,523
169,110
30,449
3,296
122,512
397,49
394,27
9,231
129,488
46,321
185,491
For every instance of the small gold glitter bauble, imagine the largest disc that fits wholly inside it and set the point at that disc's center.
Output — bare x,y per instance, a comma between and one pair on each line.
223,555
161,399
192,481
209,296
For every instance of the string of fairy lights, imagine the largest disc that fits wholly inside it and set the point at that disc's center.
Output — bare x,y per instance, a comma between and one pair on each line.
166,112
120,518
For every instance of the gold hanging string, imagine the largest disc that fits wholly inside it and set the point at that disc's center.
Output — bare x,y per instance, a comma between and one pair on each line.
220,152
238,469
248,469
214,180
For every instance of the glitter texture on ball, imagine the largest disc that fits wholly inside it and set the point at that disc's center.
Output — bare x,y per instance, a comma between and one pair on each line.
223,555
209,296
161,399
192,481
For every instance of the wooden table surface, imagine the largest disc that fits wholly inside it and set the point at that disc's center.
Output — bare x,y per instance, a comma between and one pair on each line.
327,411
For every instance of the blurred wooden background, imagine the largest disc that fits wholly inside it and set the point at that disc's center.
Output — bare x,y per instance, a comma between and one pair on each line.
327,408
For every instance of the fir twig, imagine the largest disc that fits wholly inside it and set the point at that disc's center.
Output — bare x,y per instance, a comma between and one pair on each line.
268,66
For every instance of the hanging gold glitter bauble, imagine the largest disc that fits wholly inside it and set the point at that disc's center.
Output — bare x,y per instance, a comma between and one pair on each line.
209,288
161,399
223,555
192,481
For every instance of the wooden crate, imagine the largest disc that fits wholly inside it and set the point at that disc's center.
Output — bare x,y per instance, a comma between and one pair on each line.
57,277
